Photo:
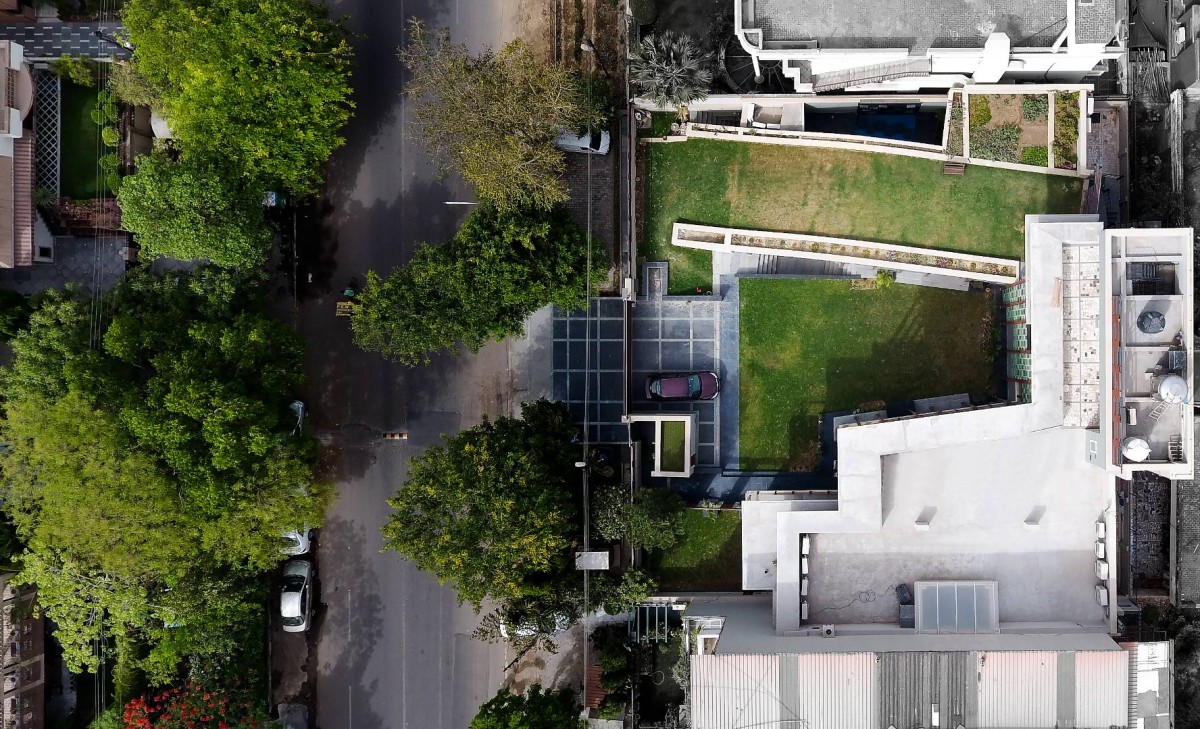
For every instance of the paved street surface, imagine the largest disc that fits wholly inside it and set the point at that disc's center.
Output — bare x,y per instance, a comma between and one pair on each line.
393,648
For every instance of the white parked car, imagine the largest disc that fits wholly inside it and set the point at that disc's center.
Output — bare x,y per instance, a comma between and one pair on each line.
595,143
296,543
295,597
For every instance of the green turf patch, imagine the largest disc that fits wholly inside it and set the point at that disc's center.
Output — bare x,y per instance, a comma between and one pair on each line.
877,197
81,178
673,437
810,347
707,557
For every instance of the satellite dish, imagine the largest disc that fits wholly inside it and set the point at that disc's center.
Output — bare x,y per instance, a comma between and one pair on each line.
1135,449
1151,322
1173,389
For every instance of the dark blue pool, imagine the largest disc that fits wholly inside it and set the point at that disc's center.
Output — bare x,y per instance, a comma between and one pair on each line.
905,122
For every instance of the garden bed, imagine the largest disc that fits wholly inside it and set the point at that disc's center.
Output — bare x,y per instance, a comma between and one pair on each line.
1012,128
708,557
81,176
1066,131
674,442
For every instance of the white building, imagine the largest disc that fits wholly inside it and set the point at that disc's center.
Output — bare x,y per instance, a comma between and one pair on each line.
978,546
16,159
865,45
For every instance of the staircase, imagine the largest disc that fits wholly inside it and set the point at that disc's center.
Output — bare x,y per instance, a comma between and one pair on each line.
1159,409
768,265
875,73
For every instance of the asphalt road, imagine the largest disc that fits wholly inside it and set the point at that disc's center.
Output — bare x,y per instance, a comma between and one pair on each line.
393,648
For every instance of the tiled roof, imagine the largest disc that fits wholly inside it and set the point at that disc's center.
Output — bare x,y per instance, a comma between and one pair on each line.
23,201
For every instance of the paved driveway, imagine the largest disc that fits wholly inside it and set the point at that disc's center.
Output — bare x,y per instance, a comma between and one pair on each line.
677,336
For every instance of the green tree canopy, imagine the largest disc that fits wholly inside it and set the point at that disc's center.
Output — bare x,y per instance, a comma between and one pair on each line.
497,270
261,84
652,520
189,211
670,69
537,709
493,117
156,463
492,511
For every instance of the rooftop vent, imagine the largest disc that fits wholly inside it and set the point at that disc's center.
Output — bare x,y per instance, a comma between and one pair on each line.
1135,449
1151,322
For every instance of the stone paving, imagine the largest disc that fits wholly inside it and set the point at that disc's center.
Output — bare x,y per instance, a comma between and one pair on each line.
677,336
1187,536
51,40
1150,517
1081,336
599,171
84,262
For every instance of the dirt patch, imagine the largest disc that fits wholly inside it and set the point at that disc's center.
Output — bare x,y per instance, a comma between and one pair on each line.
1006,109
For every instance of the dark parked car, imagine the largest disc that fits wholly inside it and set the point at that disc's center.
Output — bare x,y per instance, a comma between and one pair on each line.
682,386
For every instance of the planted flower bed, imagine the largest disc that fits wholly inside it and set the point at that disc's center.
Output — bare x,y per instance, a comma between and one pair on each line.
1010,128
888,255
1066,130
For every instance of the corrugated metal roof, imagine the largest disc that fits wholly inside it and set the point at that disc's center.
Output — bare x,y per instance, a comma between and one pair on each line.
1018,689
910,684
828,690
1101,689
735,691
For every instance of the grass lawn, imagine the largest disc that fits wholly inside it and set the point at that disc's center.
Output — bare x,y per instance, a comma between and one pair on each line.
815,346
673,432
878,197
707,557
81,147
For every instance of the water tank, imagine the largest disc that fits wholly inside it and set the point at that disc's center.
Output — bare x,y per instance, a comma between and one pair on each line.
1173,389
1135,449
1151,322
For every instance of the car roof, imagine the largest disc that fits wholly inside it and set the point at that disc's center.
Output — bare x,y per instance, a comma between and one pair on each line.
300,567
289,605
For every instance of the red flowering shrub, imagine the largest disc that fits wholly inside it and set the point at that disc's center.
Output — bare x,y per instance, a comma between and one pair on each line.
192,707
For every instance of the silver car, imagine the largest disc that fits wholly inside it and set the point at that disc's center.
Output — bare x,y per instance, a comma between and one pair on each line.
296,543
295,597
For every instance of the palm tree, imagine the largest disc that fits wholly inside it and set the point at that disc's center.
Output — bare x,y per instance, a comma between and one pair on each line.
669,69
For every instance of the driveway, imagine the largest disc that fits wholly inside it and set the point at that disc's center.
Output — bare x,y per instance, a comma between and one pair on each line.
393,649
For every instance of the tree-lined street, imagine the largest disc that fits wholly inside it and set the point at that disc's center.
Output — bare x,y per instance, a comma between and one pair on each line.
394,649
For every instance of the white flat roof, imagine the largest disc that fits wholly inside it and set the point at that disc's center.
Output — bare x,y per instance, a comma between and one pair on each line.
975,501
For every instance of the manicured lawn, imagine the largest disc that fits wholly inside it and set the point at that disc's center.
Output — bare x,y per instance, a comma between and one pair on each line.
708,557
879,197
672,446
81,178
816,346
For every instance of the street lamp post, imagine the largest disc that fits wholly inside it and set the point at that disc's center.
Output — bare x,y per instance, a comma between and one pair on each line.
589,47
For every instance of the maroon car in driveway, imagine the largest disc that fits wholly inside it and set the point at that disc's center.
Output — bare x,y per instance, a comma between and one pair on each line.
682,386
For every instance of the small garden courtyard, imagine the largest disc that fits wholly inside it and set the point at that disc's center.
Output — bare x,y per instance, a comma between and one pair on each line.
707,557
82,178
810,347
878,197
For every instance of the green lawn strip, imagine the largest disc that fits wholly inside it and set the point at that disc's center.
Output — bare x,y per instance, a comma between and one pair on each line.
672,445
816,346
707,557
80,174
878,197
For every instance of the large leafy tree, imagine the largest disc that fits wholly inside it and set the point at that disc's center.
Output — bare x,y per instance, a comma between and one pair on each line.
497,270
493,117
492,511
151,460
260,84
537,709
670,69
189,210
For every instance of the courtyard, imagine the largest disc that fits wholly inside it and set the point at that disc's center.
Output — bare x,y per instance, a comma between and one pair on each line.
810,347
877,197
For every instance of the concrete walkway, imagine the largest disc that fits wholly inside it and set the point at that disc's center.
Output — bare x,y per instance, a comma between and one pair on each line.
43,41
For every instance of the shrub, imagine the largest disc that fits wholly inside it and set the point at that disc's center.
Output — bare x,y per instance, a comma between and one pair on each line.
618,597
884,278
999,144
14,313
954,142
612,707
1034,107
110,136
1066,129
981,112
130,86
113,181
109,162
75,69
1037,156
